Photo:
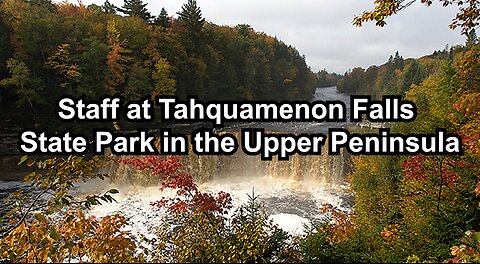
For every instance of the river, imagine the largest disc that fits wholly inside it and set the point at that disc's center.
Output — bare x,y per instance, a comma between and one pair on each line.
291,191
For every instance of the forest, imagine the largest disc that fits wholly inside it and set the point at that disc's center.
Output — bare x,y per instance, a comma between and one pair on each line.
49,50
421,208
406,208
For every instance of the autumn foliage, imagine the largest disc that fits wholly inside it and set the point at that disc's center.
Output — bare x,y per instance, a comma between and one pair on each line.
467,17
171,176
75,238
407,208
196,227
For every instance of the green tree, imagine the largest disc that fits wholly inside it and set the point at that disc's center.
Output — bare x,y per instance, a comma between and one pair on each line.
248,237
93,68
27,88
163,19
95,8
326,79
136,8
109,8
191,17
398,61
4,43
195,43
413,75
138,82
164,84
472,38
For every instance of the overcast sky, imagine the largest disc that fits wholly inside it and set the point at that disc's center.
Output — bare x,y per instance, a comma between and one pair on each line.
322,30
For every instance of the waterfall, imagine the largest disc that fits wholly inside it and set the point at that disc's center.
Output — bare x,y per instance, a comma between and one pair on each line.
324,168
290,191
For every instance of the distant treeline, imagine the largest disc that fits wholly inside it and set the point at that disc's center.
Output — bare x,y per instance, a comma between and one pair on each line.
397,75
51,49
326,79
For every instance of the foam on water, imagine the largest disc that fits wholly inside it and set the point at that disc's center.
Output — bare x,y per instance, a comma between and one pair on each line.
293,224
290,204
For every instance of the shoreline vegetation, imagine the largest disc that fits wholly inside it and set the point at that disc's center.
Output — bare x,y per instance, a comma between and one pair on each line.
422,208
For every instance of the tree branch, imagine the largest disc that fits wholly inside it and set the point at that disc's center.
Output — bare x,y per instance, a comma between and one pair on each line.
28,210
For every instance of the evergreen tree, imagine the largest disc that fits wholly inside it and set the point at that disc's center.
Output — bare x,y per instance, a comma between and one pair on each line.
163,20
472,38
96,9
412,76
136,8
109,8
191,16
390,60
398,61
196,47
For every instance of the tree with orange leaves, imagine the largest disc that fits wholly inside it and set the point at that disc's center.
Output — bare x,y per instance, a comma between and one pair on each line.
117,59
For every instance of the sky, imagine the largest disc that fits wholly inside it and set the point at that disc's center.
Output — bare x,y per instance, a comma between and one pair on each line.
322,30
